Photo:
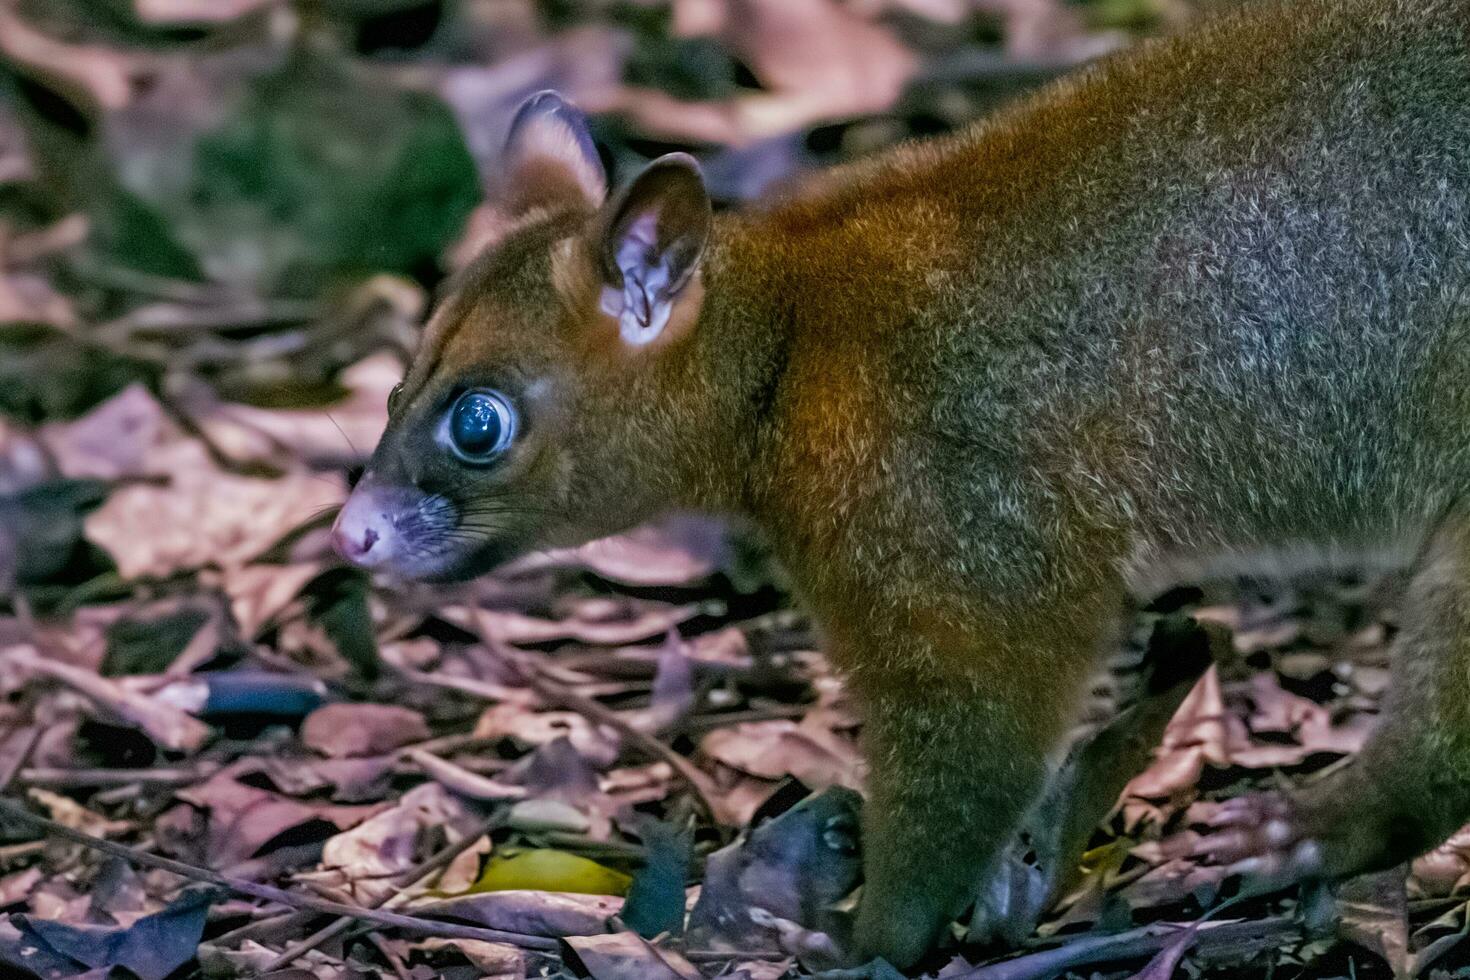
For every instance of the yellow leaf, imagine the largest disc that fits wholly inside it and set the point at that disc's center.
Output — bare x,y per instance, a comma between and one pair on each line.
1107,858
550,871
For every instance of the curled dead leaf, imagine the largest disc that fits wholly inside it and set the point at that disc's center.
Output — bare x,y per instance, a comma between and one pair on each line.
368,856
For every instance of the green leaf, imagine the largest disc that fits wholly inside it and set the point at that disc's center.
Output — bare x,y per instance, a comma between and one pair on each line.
148,646
46,375
338,602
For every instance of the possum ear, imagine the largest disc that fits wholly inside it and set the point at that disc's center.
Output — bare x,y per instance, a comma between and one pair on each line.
653,236
550,159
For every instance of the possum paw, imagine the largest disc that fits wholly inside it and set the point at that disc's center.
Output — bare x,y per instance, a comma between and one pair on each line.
1263,836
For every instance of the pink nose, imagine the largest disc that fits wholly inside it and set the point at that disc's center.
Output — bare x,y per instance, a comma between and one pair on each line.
366,532
353,544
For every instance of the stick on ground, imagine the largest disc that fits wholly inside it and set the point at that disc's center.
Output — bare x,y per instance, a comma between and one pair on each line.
429,927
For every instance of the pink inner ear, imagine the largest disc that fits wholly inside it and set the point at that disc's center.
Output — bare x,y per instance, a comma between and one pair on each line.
643,306
645,270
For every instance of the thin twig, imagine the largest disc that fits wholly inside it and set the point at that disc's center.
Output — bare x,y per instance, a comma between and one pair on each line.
70,778
16,852
269,893
414,877
443,745
737,955
595,711
278,861
1134,944
475,688
267,927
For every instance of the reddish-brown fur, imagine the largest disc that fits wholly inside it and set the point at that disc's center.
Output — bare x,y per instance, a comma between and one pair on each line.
1198,303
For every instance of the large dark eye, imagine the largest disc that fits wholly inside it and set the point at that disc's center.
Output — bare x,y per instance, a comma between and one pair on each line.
480,425
393,397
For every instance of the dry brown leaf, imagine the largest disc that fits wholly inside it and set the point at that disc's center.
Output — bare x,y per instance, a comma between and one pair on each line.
464,871
763,969
1039,28
18,885
202,517
119,894
26,297
558,775
1345,737
1203,720
1374,914
60,900
699,18
461,781
251,957
529,728
842,63
495,961
678,550
1138,812
416,654
1174,773
777,748
241,818
1171,883
1201,732
1270,756
533,913
345,431
741,795
1444,870
365,858
168,726
727,647
1278,712
1275,709
673,695
259,593
356,729
816,59
939,11
628,956
583,64
1371,681
114,439
94,76
349,780
633,785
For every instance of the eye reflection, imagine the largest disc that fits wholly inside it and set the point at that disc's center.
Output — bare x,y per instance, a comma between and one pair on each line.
480,425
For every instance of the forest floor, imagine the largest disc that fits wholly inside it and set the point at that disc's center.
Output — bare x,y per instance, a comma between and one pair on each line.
225,753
